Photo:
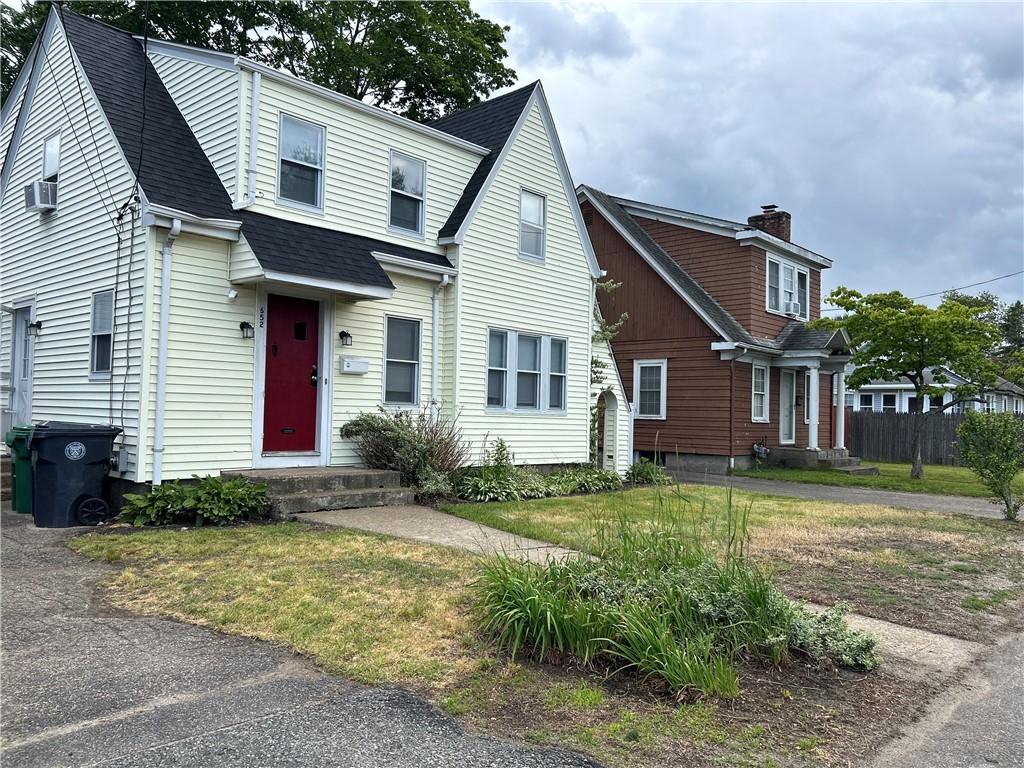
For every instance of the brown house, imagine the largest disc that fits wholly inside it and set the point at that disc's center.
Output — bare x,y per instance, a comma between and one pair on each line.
717,354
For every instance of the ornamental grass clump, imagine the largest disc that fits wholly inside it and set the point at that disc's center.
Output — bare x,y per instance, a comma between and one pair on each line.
678,601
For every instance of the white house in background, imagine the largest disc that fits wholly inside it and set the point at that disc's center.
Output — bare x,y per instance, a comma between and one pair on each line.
240,270
899,397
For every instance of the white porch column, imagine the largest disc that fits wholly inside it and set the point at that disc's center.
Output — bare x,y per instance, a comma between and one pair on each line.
840,410
813,398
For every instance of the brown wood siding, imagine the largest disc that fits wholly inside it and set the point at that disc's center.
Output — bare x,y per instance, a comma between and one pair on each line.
662,325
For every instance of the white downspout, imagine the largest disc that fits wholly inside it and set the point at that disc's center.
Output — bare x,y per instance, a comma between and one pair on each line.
254,118
161,355
435,341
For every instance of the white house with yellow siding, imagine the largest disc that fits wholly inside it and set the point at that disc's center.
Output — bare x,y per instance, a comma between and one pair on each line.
229,263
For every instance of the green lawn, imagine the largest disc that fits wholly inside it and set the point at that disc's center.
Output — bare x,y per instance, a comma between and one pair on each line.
944,480
946,573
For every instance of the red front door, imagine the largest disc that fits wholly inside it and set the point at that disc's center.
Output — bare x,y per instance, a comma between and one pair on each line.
293,346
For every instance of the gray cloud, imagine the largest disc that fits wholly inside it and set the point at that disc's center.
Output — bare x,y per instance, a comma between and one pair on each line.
895,137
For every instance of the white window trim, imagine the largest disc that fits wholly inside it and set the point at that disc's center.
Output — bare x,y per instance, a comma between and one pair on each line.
487,378
807,400
322,168
95,375
782,440
419,365
860,403
896,402
764,418
797,270
543,229
512,369
421,224
637,364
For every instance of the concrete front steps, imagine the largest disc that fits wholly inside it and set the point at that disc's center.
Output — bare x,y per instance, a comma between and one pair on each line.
838,459
314,489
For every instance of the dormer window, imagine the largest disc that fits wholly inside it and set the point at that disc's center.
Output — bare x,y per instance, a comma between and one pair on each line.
407,193
51,158
300,153
787,288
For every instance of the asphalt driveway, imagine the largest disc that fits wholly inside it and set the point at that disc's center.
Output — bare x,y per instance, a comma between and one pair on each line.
83,685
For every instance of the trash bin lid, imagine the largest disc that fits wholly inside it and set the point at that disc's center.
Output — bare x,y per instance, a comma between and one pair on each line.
18,430
46,429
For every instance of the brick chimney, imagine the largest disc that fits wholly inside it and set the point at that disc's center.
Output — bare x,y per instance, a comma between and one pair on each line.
773,221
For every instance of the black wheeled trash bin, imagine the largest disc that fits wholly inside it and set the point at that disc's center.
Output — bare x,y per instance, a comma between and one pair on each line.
69,464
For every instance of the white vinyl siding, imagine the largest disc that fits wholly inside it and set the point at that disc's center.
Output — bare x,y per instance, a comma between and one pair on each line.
401,361
357,186
495,290
759,394
650,384
208,97
365,320
210,367
61,261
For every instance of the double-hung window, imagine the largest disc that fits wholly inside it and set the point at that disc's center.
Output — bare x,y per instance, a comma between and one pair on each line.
787,288
402,361
300,154
867,401
407,193
531,225
526,371
759,394
889,402
51,158
101,355
650,379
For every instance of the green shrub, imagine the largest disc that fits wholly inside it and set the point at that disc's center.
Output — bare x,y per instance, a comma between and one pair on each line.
646,472
419,446
992,445
678,601
212,500
583,480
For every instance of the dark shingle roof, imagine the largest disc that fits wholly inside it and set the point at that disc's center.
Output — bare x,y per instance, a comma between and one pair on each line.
732,330
175,171
488,124
796,335
302,249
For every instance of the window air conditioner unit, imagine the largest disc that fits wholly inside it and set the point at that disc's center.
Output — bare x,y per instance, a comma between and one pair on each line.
41,196
792,308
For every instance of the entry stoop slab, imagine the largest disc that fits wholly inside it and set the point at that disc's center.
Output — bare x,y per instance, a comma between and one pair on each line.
313,489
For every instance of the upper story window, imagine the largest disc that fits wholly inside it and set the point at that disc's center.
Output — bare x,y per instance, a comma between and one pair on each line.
101,356
649,388
51,158
408,177
301,162
540,371
759,394
402,361
531,224
787,288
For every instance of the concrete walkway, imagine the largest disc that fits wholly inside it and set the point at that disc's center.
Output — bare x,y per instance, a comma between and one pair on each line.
961,505
433,527
86,686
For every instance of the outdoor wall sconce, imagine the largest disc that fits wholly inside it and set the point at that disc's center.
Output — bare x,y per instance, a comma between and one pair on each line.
35,328
346,338
247,330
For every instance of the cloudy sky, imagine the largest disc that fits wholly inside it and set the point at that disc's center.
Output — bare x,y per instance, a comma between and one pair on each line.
893,133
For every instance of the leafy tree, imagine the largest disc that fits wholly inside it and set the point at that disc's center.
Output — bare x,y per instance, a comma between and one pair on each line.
894,338
1008,351
992,445
418,59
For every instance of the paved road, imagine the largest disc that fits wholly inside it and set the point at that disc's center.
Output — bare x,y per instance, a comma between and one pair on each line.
976,724
962,505
83,686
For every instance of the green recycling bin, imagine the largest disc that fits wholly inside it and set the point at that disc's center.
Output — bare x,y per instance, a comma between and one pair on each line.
21,467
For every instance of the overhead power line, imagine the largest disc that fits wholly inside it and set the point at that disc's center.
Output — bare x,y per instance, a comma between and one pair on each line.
948,290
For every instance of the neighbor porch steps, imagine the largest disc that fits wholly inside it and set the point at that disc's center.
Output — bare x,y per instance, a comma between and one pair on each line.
314,489
838,459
